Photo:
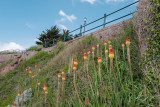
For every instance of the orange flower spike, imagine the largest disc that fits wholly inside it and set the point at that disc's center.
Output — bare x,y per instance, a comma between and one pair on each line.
122,44
32,75
19,93
85,56
35,65
109,41
88,52
99,59
26,69
30,71
63,77
39,68
74,67
110,47
14,105
75,61
105,42
29,67
86,101
111,53
93,47
63,72
46,91
45,86
59,75
128,41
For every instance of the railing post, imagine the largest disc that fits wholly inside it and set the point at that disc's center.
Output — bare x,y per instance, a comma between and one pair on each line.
104,20
64,37
80,30
45,44
53,41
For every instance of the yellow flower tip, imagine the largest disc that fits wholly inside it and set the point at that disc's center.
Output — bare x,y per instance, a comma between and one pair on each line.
46,91
92,51
111,53
39,83
75,61
63,72
63,77
106,51
99,59
59,75
74,67
93,47
110,47
123,45
109,41
105,42
97,45
128,41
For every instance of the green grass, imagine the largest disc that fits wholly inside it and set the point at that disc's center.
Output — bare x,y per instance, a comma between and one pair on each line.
52,64
35,48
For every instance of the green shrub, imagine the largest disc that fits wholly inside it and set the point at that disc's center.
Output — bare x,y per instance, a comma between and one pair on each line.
35,48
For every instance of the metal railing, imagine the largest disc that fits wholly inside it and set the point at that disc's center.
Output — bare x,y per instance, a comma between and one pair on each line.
104,23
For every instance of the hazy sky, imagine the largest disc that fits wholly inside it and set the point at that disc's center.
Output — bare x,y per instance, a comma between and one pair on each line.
21,21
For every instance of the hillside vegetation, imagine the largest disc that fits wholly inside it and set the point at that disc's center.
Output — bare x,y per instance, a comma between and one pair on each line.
94,80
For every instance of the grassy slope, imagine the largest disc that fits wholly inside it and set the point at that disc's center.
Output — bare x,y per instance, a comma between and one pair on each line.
52,64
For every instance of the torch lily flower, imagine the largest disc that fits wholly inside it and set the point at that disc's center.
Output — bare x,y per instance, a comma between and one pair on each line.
39,68
26,69
86,101
19,93
105,42
75,61
106,51
99,59
111,53
122,44
30,71
39,83
35,65
110,47
59,75
46,91
93,47
109,41
88,52
63,77
45,86
85,56
74,67
14,105
128,41
29,67
63,71
32,75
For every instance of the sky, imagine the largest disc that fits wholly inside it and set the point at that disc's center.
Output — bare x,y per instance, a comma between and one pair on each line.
22,21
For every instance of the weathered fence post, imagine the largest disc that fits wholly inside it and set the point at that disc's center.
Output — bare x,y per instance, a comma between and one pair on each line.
45,44
80,31
64,37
